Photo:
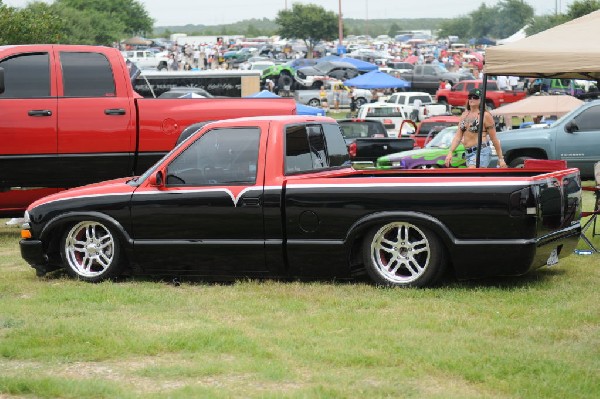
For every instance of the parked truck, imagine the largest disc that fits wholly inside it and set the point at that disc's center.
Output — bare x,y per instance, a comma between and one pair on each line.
277,197
69,116
494,97
573,138
428,107
427,77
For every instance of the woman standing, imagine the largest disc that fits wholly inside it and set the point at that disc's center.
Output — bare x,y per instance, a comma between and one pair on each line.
468,131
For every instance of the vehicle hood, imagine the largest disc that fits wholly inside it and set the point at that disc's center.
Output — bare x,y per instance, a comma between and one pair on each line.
310,71
524,137
423,156
106,188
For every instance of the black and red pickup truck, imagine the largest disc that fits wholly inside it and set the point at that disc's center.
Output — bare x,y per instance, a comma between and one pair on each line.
276,197
69,116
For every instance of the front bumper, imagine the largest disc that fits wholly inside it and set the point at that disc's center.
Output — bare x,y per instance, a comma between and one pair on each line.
32,252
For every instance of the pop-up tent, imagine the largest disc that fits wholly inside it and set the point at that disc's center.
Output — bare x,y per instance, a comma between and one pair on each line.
301,109
570,50
539,105
376,80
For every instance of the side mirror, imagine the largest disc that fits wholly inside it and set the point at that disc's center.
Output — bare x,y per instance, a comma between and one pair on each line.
572,127
2,81
157,179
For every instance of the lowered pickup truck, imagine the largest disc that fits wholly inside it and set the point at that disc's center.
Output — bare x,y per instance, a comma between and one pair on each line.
457,95
574,138
69,116
276,197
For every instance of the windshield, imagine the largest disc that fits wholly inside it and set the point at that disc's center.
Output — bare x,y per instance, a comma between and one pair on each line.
443,139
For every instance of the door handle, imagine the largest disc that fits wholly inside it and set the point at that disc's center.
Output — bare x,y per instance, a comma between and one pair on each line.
114,111
40,112
252,201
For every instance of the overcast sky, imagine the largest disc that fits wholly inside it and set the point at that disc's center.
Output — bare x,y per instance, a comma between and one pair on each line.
210,12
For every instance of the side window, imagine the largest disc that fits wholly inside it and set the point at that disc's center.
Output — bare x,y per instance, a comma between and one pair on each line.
336,146
219,157
589,119
26,76
87,75
304,149
458,87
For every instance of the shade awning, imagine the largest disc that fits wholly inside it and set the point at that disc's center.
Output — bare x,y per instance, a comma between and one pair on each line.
539,105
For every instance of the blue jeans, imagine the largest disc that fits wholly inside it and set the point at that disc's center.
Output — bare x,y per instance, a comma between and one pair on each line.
484,159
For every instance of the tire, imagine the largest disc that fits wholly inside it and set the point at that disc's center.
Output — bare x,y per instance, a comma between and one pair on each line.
360,101
489,104
313,102
402,254
91,252
316,85
429,166
285,80
162,65
518,162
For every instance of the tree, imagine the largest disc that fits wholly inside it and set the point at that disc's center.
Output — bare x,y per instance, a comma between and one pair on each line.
482,21
130,13
512,15
460,27
394,29
582,7
35,24
310,23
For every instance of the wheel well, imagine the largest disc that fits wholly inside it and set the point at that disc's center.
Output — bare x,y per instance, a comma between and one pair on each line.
536,153
442,98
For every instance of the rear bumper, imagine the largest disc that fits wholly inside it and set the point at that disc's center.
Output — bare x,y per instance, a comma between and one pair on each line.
486,258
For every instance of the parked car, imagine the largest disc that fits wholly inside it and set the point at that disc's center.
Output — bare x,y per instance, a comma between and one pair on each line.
431,157
428,107
494,98
367,140
391,115
400,66
146,59
312,97
315,76
433,125
178,92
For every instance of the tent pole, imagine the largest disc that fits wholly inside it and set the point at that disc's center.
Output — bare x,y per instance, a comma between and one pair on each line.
481,116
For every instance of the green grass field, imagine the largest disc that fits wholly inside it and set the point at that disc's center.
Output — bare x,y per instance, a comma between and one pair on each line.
535,336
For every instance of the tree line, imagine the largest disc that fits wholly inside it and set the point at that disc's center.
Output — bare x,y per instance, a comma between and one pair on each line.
107,21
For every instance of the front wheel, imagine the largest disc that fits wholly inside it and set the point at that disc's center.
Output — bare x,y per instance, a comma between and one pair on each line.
91,252
402,254
360,102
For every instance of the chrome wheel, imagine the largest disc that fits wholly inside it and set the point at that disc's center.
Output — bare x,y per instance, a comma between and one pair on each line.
90,250
314,103
403,254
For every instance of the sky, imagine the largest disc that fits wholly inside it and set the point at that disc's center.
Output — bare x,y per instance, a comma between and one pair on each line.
209,12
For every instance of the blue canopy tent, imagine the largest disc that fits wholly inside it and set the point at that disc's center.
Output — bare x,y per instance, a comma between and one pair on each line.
301,109
377,80
362,66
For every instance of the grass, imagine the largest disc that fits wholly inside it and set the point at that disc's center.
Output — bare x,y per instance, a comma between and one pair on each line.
527,337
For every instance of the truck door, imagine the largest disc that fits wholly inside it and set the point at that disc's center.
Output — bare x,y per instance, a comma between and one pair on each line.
96,121
28,120
580,148
211,208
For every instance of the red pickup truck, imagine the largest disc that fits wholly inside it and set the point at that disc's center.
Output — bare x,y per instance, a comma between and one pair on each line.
277,197
457,95
69,116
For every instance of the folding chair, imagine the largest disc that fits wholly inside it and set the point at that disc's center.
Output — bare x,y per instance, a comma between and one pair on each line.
591,222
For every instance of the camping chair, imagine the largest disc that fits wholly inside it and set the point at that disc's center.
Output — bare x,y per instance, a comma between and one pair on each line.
591,222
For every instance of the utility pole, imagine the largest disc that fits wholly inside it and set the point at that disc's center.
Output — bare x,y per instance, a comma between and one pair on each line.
340,22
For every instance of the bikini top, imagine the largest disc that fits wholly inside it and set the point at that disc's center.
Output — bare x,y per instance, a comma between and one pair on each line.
471,124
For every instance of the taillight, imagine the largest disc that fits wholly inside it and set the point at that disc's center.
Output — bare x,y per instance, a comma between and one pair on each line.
425,111
352,150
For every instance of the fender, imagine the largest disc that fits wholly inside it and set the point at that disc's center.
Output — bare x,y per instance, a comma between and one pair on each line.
62,219
367,222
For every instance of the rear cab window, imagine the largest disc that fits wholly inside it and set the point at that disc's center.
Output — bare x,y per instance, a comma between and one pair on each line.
314,147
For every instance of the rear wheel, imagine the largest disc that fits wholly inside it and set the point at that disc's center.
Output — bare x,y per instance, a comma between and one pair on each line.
489,104
360,102
91,252
519,162
402,254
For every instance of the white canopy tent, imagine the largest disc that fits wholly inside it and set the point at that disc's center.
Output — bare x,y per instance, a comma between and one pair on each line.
539,105
570,50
